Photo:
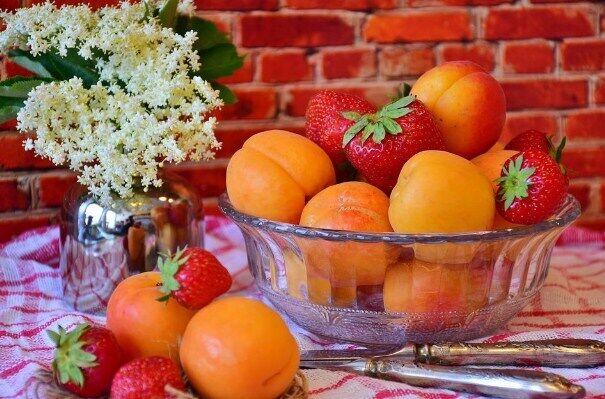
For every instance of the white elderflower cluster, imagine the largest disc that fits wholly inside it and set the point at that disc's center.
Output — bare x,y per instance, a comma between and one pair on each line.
145,110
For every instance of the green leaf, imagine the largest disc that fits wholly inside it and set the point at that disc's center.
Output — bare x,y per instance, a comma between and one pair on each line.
353,130
367,132
19,86
208,34
351,115
391,126
8,113
29,62
379,134
402,102
397,113
225,93
167,15
218,61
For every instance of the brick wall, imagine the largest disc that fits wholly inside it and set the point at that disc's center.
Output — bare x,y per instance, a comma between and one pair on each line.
548,54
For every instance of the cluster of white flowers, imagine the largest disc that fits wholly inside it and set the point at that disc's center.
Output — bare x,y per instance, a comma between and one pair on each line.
145,110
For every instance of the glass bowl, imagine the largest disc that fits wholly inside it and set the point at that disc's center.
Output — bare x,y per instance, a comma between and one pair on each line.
389,288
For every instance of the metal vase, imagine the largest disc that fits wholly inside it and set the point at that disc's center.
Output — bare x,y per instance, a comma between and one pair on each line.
103,244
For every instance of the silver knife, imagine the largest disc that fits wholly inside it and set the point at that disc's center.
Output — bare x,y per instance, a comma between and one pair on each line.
503,383
550,353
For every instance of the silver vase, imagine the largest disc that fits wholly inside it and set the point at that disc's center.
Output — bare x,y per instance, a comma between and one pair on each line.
102,245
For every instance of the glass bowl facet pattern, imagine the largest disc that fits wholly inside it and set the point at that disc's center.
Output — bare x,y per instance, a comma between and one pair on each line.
389,288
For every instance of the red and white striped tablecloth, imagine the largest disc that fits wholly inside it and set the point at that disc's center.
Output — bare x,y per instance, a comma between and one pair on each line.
571,305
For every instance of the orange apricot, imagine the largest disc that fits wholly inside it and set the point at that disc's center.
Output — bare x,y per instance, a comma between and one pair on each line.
491,164
468,105
343,266
440,192
273,174
142,325
239,348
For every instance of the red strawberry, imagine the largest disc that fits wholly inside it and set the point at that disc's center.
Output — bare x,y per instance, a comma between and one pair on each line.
86,359
531,188
325,124
398,131
535,140
147,378
194,277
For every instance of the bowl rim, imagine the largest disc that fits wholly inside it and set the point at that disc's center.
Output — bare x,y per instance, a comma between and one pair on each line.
568,212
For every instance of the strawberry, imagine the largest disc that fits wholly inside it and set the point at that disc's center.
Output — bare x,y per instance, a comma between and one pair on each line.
325,124
86,359
193,276
147,378
399,130
531,188
535,140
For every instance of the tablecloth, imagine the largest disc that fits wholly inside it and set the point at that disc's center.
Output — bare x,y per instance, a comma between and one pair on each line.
571,305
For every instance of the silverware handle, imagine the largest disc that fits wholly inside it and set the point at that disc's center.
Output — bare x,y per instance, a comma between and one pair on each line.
551,353
502,383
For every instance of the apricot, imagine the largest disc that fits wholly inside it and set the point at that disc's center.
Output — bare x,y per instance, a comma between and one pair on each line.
142,325
342,266
239,348
421,287
468,105
440,192
274,173
491,164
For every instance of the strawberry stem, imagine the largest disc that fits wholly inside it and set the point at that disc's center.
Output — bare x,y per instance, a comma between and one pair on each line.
377,125
515,181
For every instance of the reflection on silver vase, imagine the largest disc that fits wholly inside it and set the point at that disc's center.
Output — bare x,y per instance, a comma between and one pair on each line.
102,245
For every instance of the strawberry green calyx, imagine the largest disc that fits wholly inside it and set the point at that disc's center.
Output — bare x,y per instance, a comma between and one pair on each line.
380,123
168,266
515,182
70,358
557,152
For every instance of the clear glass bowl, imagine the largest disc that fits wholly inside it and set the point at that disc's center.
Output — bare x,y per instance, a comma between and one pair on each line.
385,289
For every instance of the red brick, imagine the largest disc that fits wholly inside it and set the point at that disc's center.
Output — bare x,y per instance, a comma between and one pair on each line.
254,103
13,225
545,93
342,4
583,56
286,66
425,3
52,188
12,197
208,179
599,94
585,162
94,4
541,22
305,30
416,26
242,75
399,61
354,63
14,157
518,123
378,94
482,54
232,137
585,125
537,57
13,69
236,5
582,193
10,5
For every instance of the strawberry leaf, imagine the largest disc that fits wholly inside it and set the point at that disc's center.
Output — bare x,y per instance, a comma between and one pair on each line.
351,115
397,113
515,182
169,266
391,126
367,132
70,356
353,130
